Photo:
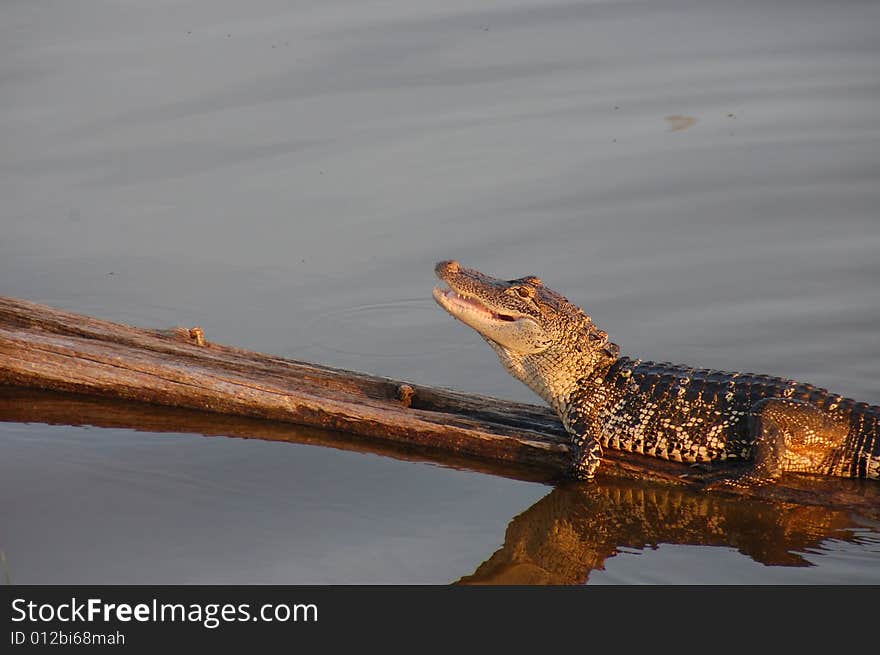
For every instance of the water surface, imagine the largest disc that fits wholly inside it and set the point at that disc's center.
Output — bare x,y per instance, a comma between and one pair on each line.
701,176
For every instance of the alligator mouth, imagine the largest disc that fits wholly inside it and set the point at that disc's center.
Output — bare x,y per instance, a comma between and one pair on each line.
459,304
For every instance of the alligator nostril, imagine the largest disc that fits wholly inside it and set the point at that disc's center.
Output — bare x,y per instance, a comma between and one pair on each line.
450,266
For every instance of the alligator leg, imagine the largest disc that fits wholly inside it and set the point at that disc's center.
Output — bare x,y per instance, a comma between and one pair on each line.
586,451
586,455
789,435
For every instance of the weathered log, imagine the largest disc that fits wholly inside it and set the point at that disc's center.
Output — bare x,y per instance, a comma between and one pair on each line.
22,405
46,348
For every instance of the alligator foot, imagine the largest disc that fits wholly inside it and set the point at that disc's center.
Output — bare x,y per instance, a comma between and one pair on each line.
586,456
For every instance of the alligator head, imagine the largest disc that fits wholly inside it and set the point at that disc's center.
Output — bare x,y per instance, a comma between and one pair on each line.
541,338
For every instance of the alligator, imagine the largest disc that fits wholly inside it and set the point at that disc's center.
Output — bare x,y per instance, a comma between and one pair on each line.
770,425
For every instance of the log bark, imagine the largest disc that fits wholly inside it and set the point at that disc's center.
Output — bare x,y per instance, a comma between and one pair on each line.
51,349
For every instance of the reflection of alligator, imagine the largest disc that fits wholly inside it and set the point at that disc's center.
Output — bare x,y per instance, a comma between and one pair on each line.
576,527
665,410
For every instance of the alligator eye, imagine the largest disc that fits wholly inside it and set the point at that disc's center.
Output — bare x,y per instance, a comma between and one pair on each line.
523,292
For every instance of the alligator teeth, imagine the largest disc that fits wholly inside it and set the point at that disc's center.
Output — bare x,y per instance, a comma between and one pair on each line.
466,303
452,301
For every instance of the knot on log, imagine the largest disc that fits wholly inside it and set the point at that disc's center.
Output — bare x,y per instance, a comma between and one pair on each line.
197,335
405,394
194,335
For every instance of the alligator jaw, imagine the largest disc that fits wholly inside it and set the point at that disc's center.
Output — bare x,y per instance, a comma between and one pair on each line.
467,308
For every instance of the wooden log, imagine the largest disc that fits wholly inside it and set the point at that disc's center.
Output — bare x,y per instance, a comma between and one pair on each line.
46,348
22,405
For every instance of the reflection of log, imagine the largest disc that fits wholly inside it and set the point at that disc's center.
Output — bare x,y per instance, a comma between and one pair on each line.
46,348
21,405
575,528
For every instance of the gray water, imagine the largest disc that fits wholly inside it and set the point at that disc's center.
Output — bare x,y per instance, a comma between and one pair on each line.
286,176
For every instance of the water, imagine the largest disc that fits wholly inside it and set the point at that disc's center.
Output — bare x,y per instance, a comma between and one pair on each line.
287,176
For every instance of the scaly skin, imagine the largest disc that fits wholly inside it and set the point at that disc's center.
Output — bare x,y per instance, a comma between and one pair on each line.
663,410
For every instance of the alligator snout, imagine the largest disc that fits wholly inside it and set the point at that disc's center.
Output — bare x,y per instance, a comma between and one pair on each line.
443,268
